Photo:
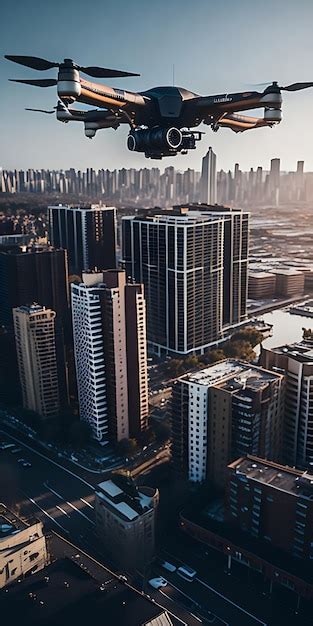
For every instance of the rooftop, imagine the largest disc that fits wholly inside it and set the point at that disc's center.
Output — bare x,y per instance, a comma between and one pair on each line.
232,375
301,351
64,593
122,496
9,523
284,478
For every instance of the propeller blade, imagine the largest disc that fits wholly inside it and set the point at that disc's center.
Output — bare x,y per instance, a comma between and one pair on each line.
102,72
297,86
36,63
44,82
41,111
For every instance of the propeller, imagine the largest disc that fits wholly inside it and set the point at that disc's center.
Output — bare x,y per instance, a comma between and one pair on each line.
42,110
36,63
292,87
41,82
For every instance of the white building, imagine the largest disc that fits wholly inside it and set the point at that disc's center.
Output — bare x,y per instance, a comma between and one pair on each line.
23,548
208,181
87,311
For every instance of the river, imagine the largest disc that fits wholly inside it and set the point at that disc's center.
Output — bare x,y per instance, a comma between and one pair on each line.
287,328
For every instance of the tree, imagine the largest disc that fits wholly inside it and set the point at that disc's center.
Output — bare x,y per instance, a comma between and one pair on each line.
213,356
126,447
176,367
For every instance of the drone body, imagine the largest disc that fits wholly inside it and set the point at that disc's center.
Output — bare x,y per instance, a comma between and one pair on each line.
161,119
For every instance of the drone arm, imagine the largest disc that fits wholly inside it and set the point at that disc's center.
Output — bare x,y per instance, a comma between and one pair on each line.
240,123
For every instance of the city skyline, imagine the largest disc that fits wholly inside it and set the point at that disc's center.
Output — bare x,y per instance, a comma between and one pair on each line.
30,135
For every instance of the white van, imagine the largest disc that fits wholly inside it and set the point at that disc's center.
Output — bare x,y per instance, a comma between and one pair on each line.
187,573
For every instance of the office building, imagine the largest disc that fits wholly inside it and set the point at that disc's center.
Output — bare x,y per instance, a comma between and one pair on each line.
261,285
88,233
23,548
34,273
289,282
296,362
125,521
222,412
109,318
273,503
208,180
193,287
40,370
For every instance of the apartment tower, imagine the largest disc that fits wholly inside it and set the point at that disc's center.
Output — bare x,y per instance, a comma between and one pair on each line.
34,329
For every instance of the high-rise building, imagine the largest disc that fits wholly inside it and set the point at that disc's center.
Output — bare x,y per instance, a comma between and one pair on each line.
125,520
274,181
273,503
208,180
222,412
193,264
88,233
296,362
40,371
136,354
110,354
32,274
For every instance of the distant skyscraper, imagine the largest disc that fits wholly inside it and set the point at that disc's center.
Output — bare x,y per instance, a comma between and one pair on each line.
110,354
221,412
193,263
274,181
32,274
88,233
208,179
34,329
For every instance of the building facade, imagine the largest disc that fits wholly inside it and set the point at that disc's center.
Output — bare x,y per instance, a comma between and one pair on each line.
182,257
221,412
262,285
23,548
125,521
39,369
109,321
88,233
273,503
33,273
296,362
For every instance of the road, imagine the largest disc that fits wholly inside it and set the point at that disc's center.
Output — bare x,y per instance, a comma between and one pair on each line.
62,500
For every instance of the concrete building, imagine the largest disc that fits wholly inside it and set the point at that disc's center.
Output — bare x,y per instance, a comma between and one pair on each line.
40,370
110,354
296,362
262,285
289,282
273,503
23,548
33,273
208,180
221,412
193,264
88,233
125,520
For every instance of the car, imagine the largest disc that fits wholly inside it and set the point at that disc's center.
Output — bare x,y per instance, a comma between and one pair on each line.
21,461
16,450
26,464
7,446
186,572
169,566
158,583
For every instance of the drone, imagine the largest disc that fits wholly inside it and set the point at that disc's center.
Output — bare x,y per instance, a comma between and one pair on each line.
162,119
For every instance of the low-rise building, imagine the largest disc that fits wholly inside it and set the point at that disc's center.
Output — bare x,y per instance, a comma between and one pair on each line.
289,282
125,520
273,503
23,549
261,285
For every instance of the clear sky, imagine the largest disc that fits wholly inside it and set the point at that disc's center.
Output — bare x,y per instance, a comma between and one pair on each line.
216,46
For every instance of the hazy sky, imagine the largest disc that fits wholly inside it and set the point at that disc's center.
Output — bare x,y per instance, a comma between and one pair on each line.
216,46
